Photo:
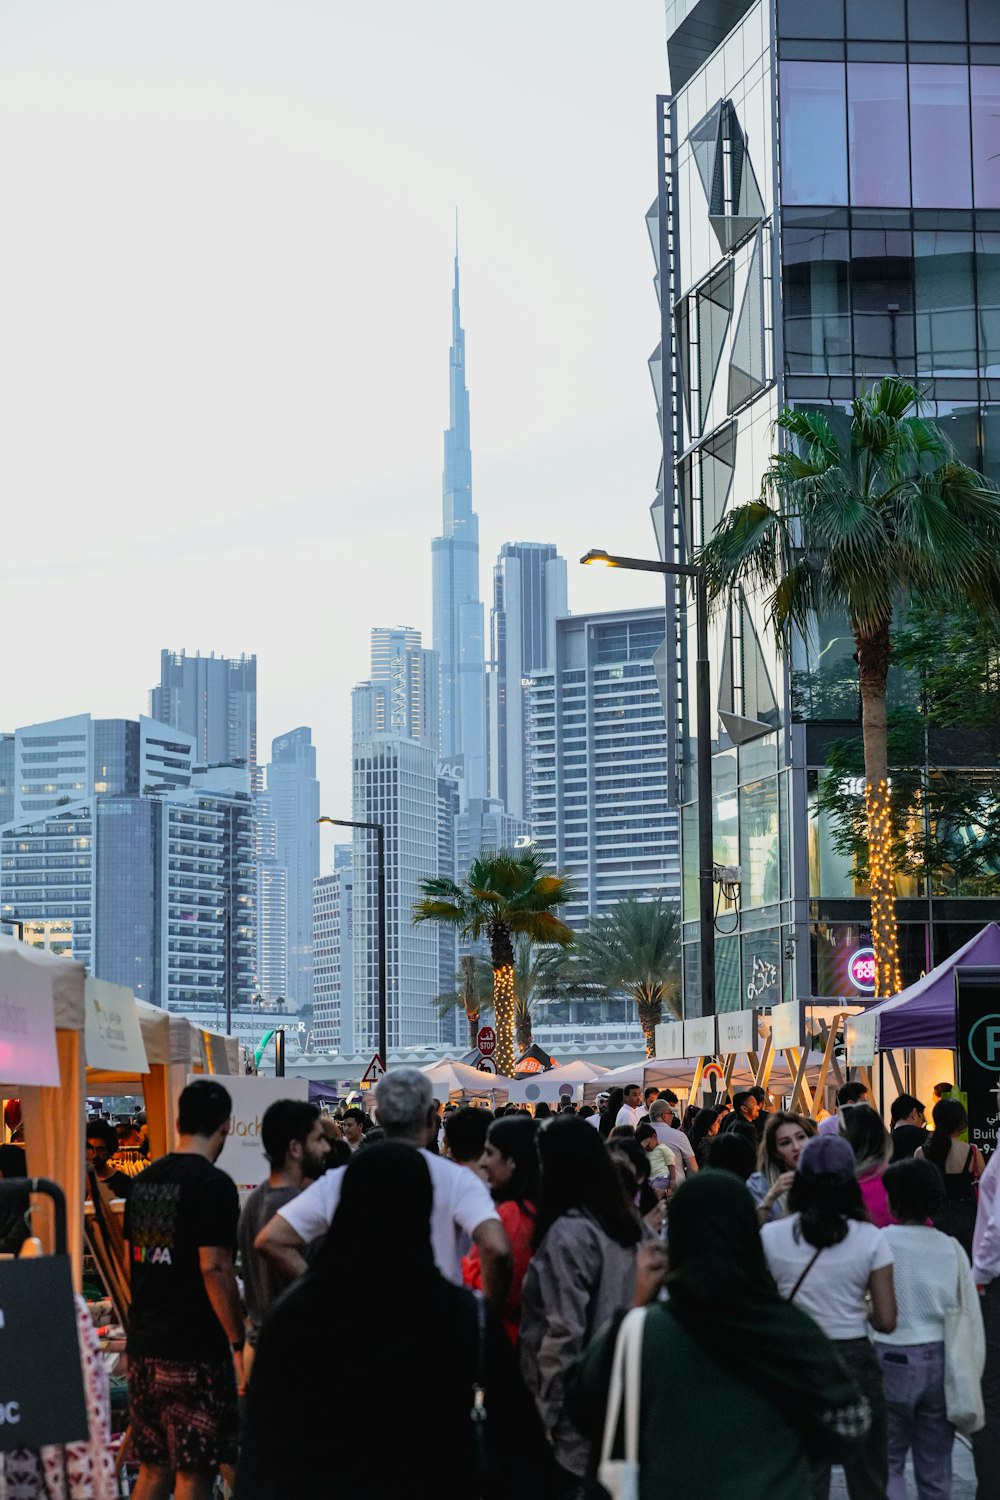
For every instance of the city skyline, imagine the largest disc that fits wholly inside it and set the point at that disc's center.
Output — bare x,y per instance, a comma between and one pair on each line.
251,462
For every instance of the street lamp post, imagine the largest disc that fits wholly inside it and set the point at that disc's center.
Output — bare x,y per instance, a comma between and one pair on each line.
703,728
383,1007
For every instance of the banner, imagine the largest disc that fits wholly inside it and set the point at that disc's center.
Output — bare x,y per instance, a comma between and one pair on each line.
860,1035
977,1037
737,1031
243,1154
41,1380
786,1025
27,1022
699,1037
112,1037
668,1040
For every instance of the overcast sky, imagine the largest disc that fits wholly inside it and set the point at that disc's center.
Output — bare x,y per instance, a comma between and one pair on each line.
225,264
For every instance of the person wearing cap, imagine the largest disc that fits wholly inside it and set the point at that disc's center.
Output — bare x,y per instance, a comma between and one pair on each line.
602,1103
833,1263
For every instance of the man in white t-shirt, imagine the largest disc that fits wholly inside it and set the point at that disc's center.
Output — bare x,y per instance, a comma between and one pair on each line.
662,1118
462,1206
633,1110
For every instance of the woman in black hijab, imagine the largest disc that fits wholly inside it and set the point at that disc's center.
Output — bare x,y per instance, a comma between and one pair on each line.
768,1367
365,1369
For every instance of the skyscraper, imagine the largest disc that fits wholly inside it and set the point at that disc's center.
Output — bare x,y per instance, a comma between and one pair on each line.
409,680
214,699
333,977
529,593
272,903
598,761
294,797
458,609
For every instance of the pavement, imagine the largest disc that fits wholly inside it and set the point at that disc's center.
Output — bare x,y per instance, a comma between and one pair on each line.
963,1475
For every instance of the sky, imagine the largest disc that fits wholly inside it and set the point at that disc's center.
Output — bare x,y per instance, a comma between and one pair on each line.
226,263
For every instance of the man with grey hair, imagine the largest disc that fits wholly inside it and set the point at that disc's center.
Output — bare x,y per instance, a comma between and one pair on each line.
662,1116
462,1206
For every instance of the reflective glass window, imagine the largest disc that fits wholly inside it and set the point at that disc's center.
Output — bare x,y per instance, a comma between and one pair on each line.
960,425
882,298
816,301
988,302
877,135
984,21
813,133
758,814
939,136
932,21
878,19
986,135
806,18
991,443
944,294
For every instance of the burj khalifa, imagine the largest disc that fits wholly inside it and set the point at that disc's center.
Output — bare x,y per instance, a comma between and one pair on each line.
458,609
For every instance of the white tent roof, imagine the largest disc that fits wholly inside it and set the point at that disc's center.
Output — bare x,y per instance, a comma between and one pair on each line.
451,1077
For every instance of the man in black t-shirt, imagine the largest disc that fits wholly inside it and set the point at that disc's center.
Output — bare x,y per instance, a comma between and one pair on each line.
185,1341
102,1143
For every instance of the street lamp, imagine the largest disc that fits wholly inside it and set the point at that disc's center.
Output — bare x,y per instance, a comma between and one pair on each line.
703,701
383,1009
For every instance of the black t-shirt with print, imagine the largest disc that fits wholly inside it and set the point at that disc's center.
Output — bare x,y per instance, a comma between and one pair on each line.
177,1205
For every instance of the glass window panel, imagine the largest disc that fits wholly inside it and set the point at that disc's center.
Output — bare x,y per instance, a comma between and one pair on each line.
813,133
882,296
986,135
878,19
984,21
960,425
939,136
876,113
758,814
991,443
816,301
988,302
932,21
945,301
806,18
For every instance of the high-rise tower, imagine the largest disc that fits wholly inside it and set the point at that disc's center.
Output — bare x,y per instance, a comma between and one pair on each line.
458,609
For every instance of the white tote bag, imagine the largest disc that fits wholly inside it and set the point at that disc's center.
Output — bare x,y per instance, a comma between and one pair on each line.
620,1476
964,1354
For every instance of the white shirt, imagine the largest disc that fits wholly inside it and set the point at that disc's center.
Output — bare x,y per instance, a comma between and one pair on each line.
630,1115
986,1240
678,1143
461,1203
595,1120
833,1292
926,1269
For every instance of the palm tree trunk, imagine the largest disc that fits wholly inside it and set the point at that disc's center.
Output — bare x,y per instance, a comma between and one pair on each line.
650,1012
502,959
467,965
873,671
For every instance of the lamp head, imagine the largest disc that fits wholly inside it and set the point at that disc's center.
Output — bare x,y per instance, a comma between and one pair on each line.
597,555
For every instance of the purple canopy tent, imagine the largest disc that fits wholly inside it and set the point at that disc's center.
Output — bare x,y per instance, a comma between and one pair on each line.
924,1014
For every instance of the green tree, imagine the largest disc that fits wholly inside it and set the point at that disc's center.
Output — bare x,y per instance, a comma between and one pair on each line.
536,978
503,895
860,527
633,949
473,992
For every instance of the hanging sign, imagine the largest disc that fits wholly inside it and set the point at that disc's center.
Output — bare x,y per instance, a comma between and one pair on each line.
668,1040
243,1154
42,1400
786,1025
977,1036
699,1036
112,1035
27,1022
860,1034
737,1030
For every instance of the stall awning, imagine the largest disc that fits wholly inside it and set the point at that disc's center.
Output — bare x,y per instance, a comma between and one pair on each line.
923,1015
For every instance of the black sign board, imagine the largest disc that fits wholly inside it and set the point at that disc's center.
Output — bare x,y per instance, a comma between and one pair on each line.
977,1036
41,1380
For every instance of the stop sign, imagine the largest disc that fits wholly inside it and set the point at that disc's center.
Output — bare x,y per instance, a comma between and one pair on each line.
486,1041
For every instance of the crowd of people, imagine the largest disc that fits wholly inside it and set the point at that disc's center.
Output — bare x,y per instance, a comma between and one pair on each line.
809,1299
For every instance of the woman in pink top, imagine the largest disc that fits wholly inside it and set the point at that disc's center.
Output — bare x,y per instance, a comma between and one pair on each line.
510,1165
863,1128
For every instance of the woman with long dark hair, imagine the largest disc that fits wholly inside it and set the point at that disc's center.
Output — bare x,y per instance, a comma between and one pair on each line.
705,1126
863,1129
786,1385
375,1284
616,1099
582,1272
831,1261
961,1167
510,1165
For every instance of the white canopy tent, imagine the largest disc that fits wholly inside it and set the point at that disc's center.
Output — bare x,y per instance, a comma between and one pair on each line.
452,1078
558,1083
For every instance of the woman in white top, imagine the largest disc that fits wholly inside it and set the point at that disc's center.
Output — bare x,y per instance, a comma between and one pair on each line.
932,1275
829,1259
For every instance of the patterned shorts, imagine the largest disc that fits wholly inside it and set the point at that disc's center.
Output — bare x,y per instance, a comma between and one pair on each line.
184,1413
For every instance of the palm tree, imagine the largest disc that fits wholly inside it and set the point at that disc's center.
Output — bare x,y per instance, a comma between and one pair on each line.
536,976
635,949
474,993
503,895
860,527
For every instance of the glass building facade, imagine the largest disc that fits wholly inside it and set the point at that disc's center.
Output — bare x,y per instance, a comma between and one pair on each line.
828,212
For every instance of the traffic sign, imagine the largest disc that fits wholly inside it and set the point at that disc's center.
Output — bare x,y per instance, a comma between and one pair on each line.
486,1041
486,1066
374,1070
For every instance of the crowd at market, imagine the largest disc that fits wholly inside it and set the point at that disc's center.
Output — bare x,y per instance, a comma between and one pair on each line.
432,1301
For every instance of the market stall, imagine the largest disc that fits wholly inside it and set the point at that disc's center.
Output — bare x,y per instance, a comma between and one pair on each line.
456,1080
563,1081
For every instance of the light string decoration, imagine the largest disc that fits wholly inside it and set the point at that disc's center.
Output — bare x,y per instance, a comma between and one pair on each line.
503,1010
882,880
